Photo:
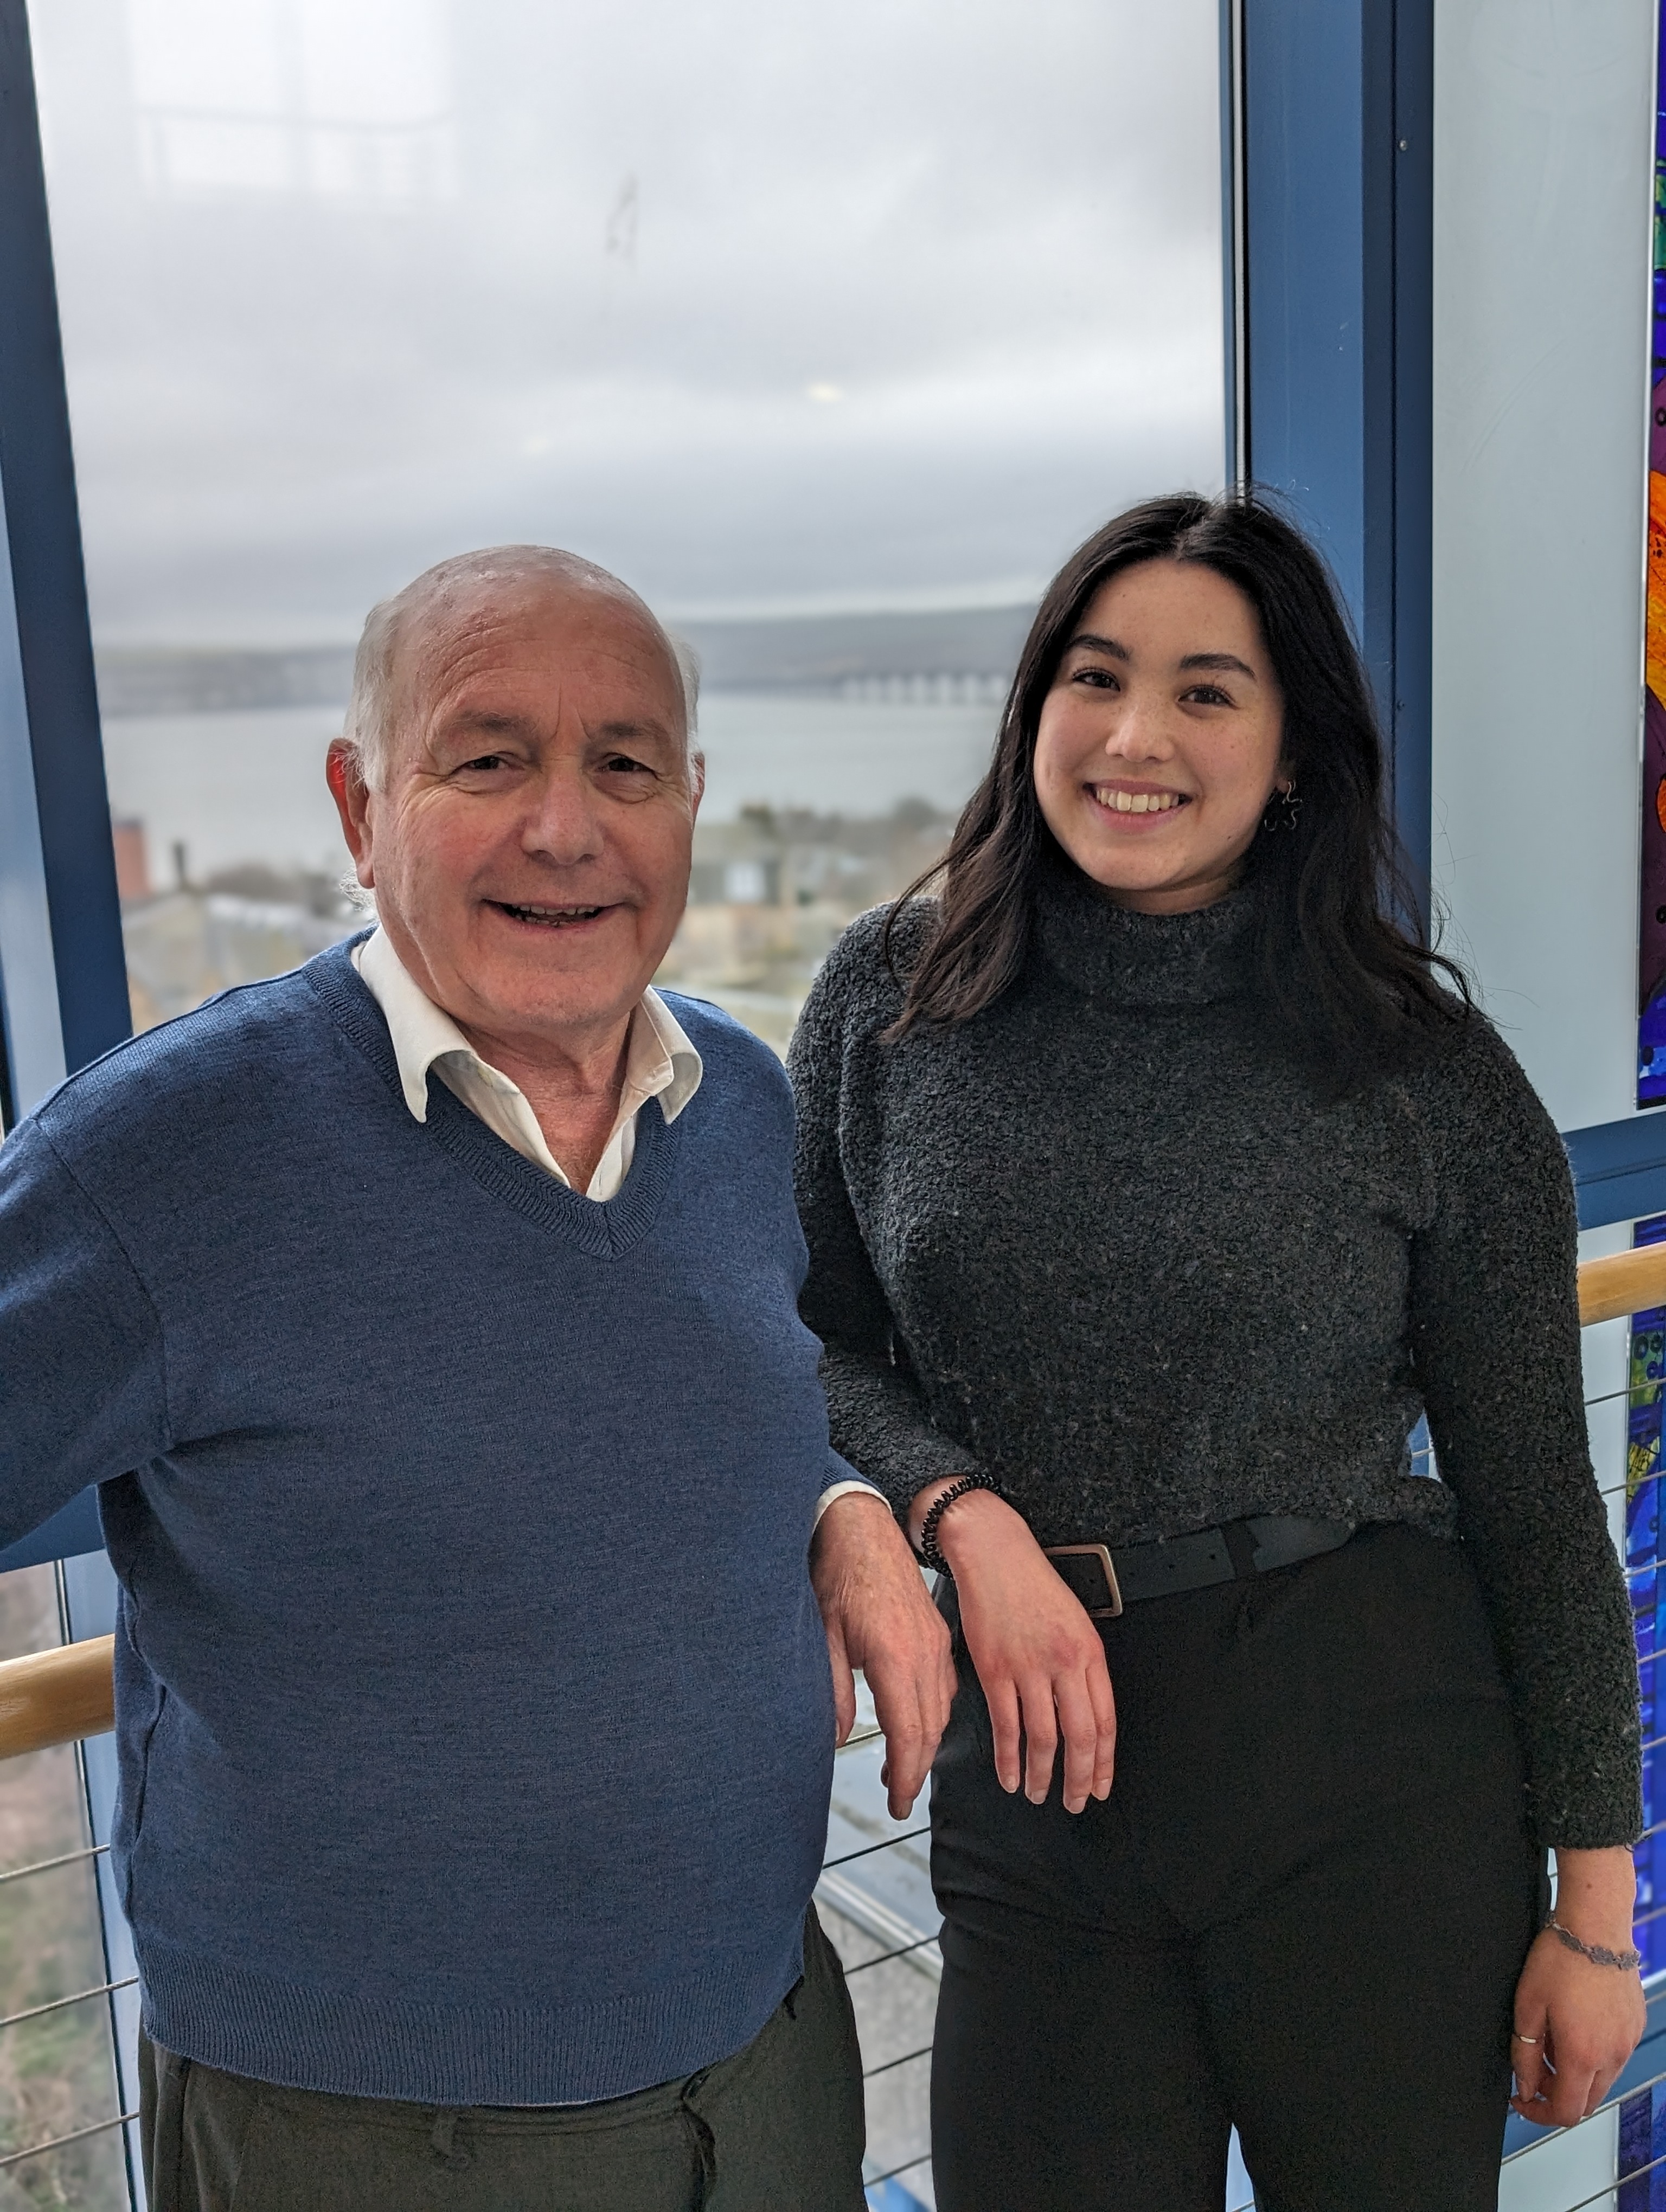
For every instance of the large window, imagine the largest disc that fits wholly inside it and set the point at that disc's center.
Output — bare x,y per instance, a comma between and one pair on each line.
830,329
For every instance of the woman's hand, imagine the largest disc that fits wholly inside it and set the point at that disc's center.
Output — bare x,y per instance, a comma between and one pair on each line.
1036,1653
1577,2023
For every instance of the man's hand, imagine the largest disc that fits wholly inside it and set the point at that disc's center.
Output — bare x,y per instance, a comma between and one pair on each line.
879,1617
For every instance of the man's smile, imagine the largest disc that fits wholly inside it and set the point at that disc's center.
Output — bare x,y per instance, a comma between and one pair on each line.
549,917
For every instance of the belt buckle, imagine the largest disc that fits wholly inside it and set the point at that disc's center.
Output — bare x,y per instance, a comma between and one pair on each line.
1083,1582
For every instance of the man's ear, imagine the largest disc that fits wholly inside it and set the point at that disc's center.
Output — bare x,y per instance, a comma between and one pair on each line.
343,772
696,782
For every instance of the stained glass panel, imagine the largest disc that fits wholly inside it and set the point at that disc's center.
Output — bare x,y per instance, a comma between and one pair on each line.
1643,1565
1651,936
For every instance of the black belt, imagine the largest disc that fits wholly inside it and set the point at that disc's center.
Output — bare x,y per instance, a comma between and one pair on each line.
1106,1577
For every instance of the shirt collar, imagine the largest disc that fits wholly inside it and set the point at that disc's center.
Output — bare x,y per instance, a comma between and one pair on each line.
660,1061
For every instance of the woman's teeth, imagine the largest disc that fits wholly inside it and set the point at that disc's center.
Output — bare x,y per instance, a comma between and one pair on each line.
1138,802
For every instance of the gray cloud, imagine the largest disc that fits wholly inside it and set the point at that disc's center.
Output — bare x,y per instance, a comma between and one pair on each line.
754,302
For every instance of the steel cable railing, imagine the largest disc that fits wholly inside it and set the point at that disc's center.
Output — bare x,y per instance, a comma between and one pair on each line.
1601,2196
78,1996
890,2064
1628,1390
1555,2135
46,1866
903,1951
885,1844
82,1857
899,1917
878,2180
75,2135
1604,2195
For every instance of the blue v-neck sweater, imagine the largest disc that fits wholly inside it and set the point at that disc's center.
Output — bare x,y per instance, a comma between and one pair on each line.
473,1708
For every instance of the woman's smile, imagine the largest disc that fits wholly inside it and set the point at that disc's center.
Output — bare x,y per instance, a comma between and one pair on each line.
1140,800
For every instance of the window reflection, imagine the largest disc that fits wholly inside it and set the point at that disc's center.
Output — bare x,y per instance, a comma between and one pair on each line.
334,97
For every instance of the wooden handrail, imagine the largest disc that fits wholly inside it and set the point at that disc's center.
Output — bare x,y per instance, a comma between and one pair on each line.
58,1696
1625,1283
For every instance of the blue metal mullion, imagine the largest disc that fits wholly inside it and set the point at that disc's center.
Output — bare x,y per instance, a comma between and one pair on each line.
60,919
1304,269
1378,354
1335,308
1233,216
8,1093
48,584
1411,721
66,979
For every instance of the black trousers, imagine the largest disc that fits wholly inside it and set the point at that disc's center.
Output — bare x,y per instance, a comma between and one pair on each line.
779,2123
1302,1910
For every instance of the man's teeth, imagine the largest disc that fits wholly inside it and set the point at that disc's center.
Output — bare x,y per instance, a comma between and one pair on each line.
1138,802
554,913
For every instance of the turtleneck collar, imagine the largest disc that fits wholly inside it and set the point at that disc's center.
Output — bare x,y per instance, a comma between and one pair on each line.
1142,959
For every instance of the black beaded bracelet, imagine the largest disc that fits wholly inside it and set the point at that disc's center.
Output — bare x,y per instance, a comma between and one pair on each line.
940,1506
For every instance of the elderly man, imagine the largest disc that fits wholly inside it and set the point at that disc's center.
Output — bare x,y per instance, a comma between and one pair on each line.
428,1315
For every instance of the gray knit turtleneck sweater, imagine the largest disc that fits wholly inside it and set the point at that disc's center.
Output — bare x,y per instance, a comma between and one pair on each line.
1102,1243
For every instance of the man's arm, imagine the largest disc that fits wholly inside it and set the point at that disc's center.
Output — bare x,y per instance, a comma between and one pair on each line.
81,1390
853,1485
879,1617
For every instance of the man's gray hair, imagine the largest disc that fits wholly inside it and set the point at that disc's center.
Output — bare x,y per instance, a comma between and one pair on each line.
369,728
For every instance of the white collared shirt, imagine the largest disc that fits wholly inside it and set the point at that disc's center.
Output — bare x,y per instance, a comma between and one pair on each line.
660,1062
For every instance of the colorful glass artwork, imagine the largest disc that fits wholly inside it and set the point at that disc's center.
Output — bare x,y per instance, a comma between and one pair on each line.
1644,1570
1651,935
1642,2148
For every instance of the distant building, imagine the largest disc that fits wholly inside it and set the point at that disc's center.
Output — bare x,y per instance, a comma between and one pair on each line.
770,894
185,944
132,861
736,863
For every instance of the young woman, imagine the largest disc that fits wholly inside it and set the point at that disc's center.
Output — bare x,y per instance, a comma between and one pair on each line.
1155,1183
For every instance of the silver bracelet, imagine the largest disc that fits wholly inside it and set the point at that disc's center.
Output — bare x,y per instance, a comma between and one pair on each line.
1598,1953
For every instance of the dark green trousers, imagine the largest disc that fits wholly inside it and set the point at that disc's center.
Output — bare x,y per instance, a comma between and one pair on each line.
779,2125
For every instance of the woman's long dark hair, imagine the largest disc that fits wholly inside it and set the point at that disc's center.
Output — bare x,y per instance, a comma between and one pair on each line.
1343,963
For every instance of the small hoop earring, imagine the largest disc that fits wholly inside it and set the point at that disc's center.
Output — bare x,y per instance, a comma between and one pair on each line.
1282,808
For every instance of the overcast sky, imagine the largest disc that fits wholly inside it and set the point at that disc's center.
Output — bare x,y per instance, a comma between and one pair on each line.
763,304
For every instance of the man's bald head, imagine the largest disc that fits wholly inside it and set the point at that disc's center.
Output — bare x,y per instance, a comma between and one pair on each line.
446,600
